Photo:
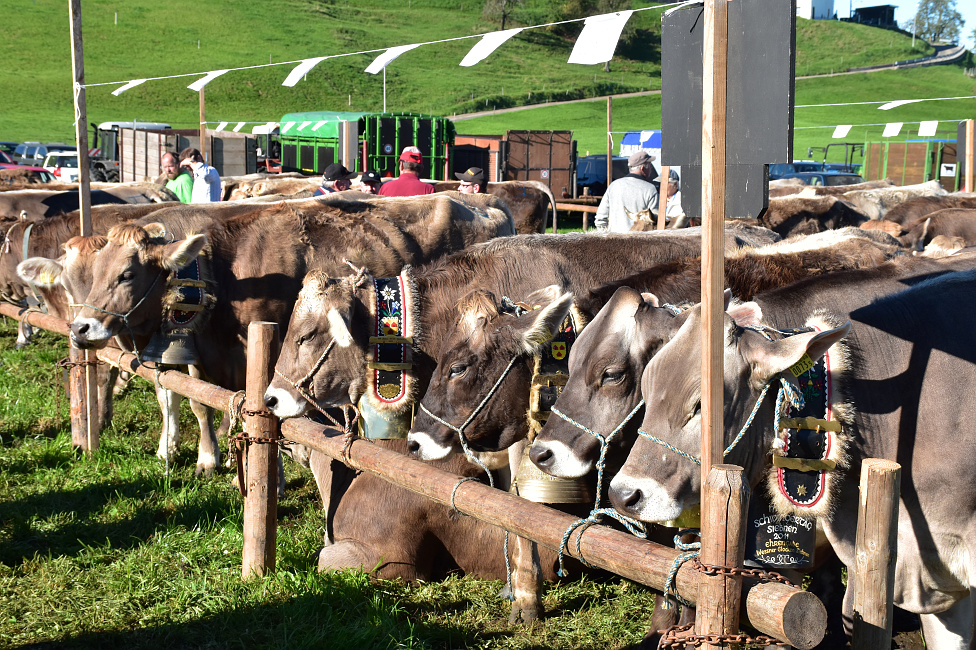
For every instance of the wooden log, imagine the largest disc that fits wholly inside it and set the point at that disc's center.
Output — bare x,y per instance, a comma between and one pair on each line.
778,610
261,499
35,318
662,204
84,400
875,552
726,511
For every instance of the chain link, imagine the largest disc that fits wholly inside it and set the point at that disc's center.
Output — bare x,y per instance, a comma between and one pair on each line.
760,574
680,636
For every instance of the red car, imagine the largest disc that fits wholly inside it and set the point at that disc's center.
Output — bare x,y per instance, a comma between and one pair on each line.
6,162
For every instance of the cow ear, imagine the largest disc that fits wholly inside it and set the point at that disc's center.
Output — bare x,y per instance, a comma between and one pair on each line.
179,254
746,314
651,299
155,230
536,328
41,271
770,358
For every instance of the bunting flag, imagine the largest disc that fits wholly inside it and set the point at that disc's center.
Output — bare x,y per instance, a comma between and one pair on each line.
388,56
131,84
301,70
841,131
488,44
198,85
892,129
240,125
222,126
598,40
927,129
897,103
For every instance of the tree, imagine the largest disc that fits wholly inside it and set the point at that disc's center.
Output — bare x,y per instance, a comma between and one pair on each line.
501,8
938,20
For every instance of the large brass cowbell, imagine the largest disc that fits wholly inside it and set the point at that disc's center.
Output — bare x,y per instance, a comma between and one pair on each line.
532,484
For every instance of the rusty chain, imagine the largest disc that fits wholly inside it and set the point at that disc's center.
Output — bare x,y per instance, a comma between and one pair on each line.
760,574
680,636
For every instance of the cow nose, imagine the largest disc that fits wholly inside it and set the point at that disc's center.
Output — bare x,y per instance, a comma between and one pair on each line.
626,499
79,329
270,401
541,456
413,447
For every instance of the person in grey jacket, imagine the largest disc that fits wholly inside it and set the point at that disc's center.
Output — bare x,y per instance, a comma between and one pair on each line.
630,198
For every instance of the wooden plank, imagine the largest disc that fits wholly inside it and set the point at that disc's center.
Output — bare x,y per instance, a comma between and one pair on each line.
968,181
662,206
875,552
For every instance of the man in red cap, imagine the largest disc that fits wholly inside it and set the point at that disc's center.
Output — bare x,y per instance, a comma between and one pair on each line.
409,183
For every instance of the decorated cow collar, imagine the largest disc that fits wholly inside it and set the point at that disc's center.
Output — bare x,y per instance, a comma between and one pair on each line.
550,370
393,329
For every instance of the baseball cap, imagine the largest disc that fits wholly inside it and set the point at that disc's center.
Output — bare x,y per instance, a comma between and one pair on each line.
412,154
673,175
336,172
472,175
370,177
639,158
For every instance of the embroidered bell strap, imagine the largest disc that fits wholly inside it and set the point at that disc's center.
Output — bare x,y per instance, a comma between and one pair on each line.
191,291
808,435
391,350
553,370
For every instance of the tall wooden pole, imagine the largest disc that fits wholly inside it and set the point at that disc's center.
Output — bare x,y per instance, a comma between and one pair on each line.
713,223
203,128
875,552
609,141
726,510
261,500
968,181
662,207
82,386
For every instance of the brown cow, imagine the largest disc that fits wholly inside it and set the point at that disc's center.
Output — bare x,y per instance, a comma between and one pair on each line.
953,222
253,185
876,203
529,202
913,210
39,203
794,215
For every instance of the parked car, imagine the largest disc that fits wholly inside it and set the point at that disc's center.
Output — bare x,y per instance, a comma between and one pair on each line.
42,175
826,178
783,169
5,158
64,165
32,153
8,147
843,167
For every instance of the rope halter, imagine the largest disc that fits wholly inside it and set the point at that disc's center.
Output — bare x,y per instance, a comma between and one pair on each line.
126,315
309,393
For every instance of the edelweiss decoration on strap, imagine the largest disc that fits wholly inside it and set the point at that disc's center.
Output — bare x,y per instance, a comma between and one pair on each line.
393,333
810,444
552,370
186,306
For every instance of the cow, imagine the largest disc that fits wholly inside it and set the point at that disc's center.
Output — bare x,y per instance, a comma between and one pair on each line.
913,210
529,202
252,185
14,178
900,387
837,190
40,203
951,222
876,203
795,215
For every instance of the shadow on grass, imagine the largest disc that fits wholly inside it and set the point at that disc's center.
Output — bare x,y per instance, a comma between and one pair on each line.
154,512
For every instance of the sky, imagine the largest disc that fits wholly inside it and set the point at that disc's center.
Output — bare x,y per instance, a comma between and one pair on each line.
906,11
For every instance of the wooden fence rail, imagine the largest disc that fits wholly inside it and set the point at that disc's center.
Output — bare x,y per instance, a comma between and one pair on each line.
787,613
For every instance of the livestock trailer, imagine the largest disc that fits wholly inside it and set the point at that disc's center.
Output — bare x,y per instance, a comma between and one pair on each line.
232,154
312,141
912,161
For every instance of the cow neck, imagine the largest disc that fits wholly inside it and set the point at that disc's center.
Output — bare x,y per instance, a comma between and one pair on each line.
5,250
393,328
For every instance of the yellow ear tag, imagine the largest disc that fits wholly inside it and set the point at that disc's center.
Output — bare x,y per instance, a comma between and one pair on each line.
801,366
48,278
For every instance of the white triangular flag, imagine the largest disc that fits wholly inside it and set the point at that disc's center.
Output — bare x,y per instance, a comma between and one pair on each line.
897,103
599,37
927,129
222,126
198,85
892,129
240,125
387,57
131,84
301,70
488,44
841,130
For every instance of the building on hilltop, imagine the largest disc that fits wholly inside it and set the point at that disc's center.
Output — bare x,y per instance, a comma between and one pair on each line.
879,16
815,9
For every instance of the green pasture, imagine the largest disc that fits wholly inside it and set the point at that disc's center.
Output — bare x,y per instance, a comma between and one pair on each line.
108,551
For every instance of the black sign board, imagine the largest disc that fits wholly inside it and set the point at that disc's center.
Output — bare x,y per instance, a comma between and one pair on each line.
778,541
759,98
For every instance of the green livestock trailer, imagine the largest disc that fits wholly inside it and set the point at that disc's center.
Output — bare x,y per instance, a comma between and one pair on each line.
313,140
913,161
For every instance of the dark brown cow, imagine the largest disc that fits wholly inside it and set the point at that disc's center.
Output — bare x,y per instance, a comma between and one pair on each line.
529,202
953,222
910,212
905,375
40,203
794,215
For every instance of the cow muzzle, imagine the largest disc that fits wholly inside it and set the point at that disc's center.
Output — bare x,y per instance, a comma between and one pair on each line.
644,499
284,404
89,333
425,447
558,459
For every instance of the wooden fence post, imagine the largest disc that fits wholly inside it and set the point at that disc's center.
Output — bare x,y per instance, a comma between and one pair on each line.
83,393
875,552
726,511
662,199
261,499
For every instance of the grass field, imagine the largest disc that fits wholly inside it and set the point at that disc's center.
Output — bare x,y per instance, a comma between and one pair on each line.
109,551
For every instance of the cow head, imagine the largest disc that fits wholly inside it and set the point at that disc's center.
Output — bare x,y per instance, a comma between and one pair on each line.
66,281
487,351
605,368
656,483
324,352
128,282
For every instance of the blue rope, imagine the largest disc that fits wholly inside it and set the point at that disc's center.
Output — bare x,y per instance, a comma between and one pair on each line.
691,551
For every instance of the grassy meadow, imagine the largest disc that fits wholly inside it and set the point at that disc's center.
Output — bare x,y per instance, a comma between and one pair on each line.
109,551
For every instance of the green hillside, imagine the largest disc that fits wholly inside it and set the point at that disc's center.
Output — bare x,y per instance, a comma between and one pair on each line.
140,39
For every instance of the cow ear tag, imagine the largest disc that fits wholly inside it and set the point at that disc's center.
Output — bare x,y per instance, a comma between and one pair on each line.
801,366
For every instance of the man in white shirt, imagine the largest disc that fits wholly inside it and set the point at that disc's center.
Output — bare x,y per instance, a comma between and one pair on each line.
206,180
629,198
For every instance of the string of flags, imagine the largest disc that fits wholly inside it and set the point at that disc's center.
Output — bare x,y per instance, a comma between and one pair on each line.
595,44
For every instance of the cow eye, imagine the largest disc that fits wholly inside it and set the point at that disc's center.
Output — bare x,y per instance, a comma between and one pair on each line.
457,370
611,376
304,338
127,276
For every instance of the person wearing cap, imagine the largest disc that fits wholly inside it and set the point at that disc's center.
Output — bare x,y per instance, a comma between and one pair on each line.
369,182
408,183
472,180
674,211
335,179
630,198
